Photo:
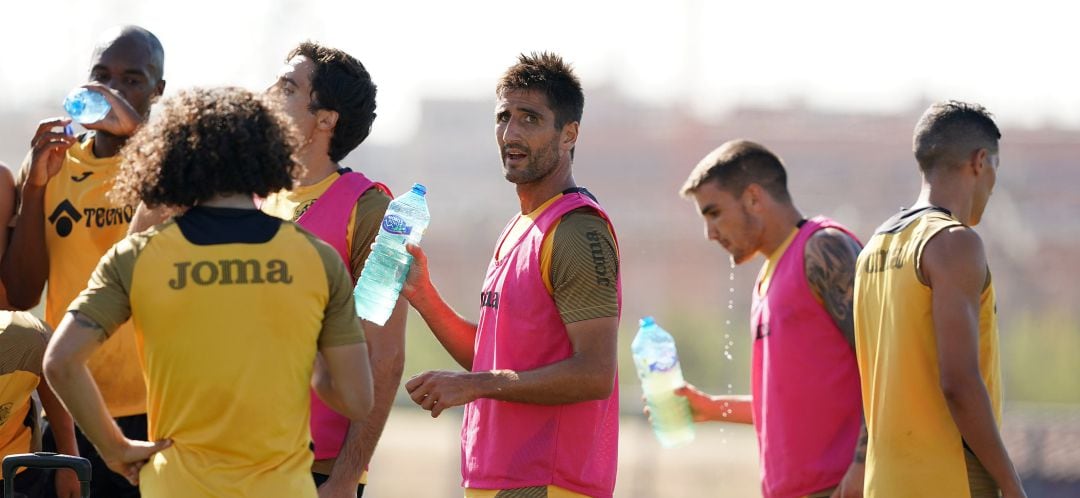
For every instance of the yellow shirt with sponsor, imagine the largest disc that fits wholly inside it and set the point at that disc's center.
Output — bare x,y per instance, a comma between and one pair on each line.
22,341
227,335
81,224
915,447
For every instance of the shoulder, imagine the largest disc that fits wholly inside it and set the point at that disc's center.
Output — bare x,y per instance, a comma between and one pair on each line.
952,253
373,200
7,179
583,219
953,242
327,253
828,244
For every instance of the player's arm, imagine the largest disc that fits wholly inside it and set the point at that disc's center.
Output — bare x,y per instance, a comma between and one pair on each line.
342,374
455,333
342,379
588,374
830,257
584,279
830,270
735,408
25,265
65,368
386,354
954,266
7,211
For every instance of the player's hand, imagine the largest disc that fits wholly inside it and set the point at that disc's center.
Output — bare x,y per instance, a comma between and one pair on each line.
47,150
438,390
122,120
418,277
129,459
702,405
67,484
335,488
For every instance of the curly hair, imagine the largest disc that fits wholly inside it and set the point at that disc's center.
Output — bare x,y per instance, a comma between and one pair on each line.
208,142
340,83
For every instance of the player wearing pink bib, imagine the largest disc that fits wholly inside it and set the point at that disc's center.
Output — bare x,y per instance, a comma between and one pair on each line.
806,404
541,416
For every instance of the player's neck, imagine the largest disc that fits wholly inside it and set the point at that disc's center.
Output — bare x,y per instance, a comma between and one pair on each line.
785,219
533,195
947,195
317,166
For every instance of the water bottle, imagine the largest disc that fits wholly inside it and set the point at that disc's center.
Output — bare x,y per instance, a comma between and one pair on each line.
658,368
386,267
86,106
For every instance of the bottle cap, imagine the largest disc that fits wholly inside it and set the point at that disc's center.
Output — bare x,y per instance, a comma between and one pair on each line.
647,321
419,189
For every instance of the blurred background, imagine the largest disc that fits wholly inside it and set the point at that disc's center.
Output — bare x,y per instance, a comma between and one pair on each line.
833,87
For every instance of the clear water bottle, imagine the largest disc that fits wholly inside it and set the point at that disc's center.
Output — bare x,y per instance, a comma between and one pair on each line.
386,267
86,106
658,368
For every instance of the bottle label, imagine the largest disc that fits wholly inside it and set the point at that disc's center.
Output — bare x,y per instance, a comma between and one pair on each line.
396,225
664,363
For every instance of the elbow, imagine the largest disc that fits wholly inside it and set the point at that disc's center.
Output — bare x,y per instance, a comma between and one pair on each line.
957,386
359,406
388,367
58,370
600,386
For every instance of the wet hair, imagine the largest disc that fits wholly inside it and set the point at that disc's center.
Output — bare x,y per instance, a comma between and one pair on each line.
548,73
141,35
948,132
736,165
339,82
205,143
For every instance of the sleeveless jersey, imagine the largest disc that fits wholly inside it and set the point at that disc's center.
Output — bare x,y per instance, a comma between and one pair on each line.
915,447
800,360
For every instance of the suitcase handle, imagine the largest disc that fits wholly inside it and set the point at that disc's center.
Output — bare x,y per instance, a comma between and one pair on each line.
45,460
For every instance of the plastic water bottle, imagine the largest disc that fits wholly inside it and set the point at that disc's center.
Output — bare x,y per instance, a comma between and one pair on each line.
386,267
658,368
86,106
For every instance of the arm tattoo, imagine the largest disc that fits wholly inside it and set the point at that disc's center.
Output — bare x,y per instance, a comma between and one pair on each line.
830,270
86,322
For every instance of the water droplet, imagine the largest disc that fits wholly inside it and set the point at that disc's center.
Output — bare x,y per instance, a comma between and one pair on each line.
727,335
731,343
723,441
727,355
731,289
729,387
727,322
730,306
721,429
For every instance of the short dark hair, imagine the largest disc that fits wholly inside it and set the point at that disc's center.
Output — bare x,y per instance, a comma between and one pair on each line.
949,131
340,83
736,165
208,142
140,35
548,73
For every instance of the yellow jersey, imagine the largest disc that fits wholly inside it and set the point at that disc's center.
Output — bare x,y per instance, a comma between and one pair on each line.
915,448
230,307
81,224
22,340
